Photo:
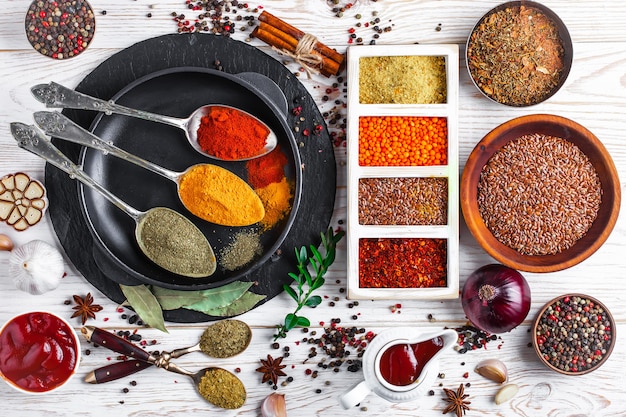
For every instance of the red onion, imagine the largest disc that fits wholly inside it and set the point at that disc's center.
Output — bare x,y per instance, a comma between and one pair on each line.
496,298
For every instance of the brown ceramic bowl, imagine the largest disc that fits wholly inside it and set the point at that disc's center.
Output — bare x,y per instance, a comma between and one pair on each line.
477,72
563,128
592,351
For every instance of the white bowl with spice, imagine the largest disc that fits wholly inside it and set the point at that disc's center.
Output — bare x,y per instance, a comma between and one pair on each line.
519,53
403,172
540,193
574,334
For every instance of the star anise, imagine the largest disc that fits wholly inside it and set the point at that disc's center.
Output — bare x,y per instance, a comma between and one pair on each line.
271,369
456,401
85,308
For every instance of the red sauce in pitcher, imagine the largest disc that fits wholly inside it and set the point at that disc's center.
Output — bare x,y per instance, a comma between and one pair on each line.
38,352
401,364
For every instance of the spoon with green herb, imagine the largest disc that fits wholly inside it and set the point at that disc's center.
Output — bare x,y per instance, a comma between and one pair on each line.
216,385
165,236
223,339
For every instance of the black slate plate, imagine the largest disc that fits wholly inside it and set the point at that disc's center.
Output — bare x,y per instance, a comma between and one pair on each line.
175,92
198,50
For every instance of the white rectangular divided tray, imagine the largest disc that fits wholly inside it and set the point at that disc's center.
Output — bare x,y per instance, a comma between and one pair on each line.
449,231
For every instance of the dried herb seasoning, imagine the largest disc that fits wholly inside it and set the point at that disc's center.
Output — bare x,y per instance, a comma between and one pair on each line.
402,263
403,201
402,80
516,56
539,194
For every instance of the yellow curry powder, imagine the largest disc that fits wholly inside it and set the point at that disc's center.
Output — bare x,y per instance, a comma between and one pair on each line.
276,198
219,196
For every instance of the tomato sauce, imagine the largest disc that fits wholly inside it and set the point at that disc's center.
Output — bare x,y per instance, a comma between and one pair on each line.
403,363
38,352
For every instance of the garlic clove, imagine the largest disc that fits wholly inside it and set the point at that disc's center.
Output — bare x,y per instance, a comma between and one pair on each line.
492,369
505,393
36,267
274,406
6,244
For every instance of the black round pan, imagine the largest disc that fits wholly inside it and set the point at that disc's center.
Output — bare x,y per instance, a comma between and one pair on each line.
176,92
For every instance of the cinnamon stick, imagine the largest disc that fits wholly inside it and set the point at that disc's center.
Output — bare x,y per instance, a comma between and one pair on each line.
297,34
275,37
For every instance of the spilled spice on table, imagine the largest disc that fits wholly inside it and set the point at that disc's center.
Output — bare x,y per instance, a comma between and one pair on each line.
402,80
516,56
402,263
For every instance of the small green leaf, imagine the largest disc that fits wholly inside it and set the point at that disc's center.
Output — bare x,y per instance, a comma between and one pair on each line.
313,301
295,277
291,320
318,283
145,305
303,322
291,292
244,303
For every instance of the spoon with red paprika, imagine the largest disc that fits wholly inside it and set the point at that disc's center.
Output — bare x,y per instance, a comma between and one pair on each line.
228,200
206,128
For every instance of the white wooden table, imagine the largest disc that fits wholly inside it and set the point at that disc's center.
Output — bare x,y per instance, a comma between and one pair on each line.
594,95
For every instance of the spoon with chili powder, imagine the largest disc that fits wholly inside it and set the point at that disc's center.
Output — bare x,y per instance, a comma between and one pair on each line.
217,131
208,191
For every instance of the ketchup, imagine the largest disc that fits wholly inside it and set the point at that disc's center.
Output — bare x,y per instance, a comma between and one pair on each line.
38,351
401,364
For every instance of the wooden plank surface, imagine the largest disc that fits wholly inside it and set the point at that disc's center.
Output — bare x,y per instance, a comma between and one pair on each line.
594,95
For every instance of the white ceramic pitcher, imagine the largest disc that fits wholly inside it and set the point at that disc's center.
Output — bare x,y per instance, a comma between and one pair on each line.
372,377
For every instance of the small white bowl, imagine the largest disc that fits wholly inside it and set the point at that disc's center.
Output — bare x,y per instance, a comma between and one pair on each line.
50,331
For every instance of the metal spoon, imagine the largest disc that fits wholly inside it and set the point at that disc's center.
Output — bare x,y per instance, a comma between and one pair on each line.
178,245
119,345
57,125
223,338
226,345
57,96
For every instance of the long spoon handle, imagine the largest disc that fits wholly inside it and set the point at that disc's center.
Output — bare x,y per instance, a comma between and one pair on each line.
57,125
32,140
57,96
116,344
115,371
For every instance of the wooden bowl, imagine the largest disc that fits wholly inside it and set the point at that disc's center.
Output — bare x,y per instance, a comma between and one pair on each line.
563,128
547,321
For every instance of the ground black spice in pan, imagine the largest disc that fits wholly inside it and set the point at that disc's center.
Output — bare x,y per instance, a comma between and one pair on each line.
539,194
60,29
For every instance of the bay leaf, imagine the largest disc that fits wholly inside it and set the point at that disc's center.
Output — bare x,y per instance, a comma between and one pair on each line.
244,303
145,305
200,300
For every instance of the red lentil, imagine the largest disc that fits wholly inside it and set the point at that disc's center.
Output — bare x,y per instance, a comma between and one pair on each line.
402,263
402,141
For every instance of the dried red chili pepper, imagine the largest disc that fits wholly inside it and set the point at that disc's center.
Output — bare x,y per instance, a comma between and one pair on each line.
402,263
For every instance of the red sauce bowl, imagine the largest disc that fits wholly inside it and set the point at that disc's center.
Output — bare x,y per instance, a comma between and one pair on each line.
39,352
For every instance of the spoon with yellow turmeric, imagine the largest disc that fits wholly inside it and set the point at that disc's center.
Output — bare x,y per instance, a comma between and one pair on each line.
203,128
208,191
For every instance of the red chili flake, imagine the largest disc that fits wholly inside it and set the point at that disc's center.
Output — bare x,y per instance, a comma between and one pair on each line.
402,263
351,30
296,110
466,375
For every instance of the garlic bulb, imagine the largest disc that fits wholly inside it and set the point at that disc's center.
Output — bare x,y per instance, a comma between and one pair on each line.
274,406
36,267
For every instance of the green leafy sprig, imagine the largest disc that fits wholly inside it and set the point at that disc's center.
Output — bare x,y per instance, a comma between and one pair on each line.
311,270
